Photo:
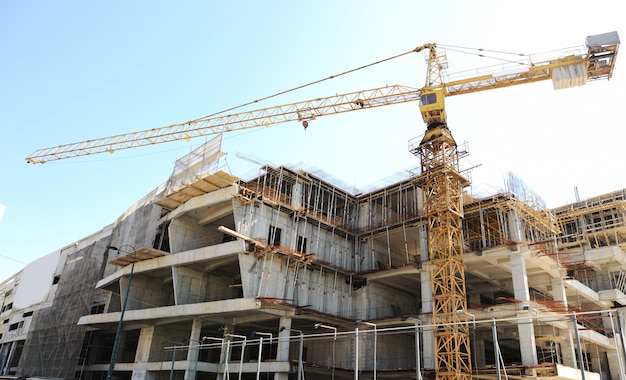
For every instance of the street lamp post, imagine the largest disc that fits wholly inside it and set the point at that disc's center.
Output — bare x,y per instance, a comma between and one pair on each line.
258,364
496,347
243,347
460,311
356,352
375,341
118,332
317,326
418,363
300,367
474,354
221,340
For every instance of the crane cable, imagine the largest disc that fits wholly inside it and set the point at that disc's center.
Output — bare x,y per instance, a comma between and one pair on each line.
304,85
478,53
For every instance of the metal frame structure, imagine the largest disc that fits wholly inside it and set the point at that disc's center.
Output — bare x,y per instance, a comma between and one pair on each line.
442,186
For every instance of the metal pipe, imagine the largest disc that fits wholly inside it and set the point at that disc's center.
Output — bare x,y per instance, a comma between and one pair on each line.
217,339
318,325
356,353
418,324
226,359
243,347
580,352
621,336
418,367
300,353
174,348
258,364
375,342
496,348
118,332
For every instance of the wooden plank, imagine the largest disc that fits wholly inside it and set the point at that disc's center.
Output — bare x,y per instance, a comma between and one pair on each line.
216,181
207,187
141,254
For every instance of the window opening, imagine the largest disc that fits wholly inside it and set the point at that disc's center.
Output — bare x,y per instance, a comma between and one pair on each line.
302,243
273,237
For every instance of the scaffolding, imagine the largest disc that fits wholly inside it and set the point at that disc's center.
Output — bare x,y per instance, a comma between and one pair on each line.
593,223
504,219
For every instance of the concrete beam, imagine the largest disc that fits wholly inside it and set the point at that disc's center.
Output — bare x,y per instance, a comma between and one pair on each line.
602,255
207,200
587,293
183,258
215,308
612,295
408,269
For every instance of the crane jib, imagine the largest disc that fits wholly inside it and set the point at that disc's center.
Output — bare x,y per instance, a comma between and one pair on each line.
595,61
301,111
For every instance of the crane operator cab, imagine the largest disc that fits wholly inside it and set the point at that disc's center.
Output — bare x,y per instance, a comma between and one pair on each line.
434,115
432,107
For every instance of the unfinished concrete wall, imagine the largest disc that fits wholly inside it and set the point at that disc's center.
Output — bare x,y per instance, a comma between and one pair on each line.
376,301
333,247
186,234
191,285
136,228
302,284
205,285
174,334
147,292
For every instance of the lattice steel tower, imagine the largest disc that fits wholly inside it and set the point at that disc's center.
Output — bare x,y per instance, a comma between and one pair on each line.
442,185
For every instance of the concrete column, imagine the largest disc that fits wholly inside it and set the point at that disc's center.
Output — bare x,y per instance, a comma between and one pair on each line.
228,329
568,346
296,196
282,354
193,352
558,291
428,335
525,325
423,241
514,224
478,351
474,300
597,363
142,356
428,342
614,365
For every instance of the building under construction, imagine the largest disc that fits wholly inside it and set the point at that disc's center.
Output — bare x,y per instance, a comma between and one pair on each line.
289,275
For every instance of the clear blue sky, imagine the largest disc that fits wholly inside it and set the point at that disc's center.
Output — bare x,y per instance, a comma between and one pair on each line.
75,70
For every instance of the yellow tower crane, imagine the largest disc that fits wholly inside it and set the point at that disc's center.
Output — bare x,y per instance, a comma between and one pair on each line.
441,180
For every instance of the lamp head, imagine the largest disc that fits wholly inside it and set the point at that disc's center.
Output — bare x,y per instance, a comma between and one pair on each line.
317,326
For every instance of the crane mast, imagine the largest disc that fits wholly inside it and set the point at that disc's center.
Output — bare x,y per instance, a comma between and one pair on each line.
441,180
442,194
